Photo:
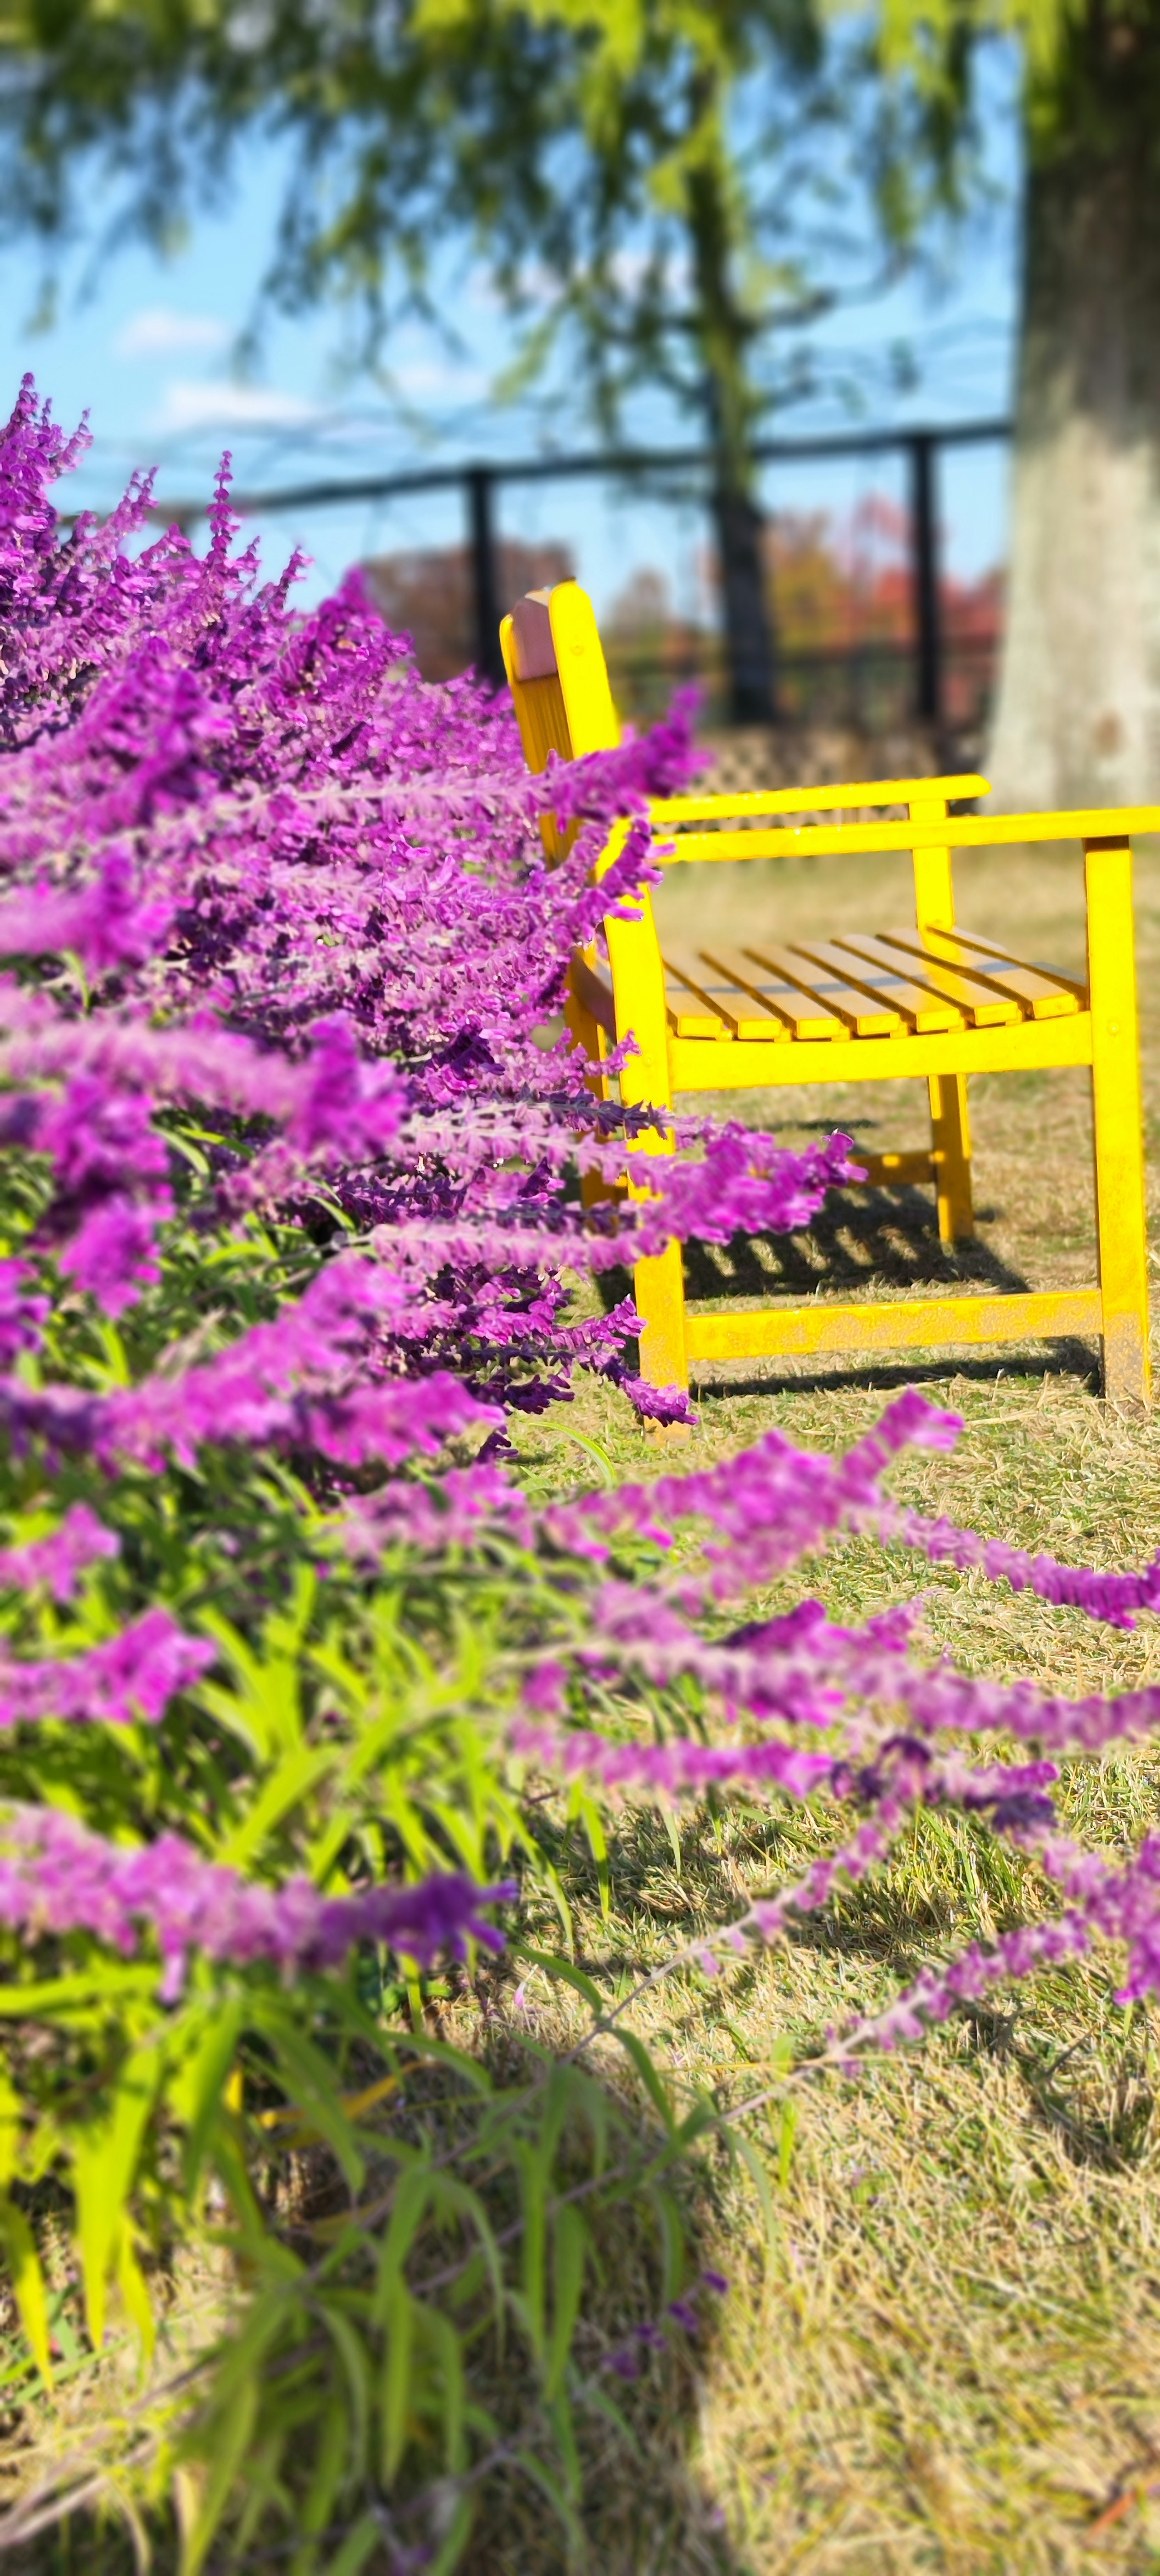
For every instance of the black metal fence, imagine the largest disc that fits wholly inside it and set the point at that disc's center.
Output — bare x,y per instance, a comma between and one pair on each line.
920,448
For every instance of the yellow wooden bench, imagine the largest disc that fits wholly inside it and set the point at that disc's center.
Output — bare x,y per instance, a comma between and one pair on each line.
933,1000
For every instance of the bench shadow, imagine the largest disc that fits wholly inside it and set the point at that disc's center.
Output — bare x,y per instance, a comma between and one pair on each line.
1074,1360
868,1234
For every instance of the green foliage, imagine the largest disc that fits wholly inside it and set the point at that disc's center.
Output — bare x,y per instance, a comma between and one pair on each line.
649,187
400,2203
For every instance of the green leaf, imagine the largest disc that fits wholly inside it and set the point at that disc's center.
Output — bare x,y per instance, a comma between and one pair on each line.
540,2476
758,2176
412,2193
440,2335
104,2165
565,1969
134,2291
569,2254
296,1774
395,2393
357,2372
310,2081
649,2074
198,2095
11,2123
534,2169
787,2134
233,2433
330,2463
356,2548
28,2284
458,2534
597,1839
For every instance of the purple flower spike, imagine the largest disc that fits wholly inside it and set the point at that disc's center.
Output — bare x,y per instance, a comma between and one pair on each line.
58,1877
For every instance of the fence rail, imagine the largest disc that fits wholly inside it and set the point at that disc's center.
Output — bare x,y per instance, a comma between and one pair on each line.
480,480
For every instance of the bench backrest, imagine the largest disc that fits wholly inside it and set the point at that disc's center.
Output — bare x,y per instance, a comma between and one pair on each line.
559,682
559,679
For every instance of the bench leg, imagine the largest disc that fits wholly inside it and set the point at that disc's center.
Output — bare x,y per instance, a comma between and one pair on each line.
1117,1118
659,1290
588,1034
950,1136
659,1282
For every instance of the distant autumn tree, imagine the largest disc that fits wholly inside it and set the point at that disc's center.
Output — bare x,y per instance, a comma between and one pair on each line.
642,180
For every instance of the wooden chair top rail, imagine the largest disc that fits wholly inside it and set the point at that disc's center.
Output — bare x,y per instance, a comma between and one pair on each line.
1115,823
813,800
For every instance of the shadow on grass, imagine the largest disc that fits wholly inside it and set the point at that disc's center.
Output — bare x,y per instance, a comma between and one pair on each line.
1092,2087
1073,1360
861,1239
635,2377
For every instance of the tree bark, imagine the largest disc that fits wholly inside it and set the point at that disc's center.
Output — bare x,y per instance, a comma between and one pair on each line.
723,336
749,657
1077,719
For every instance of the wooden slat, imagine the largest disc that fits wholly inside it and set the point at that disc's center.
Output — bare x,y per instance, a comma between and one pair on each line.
1042,995
980,1006
896,1171
798,1015
768,1332
831,990
997,948
691,1012
778,1009
970,832
745,1014
884,983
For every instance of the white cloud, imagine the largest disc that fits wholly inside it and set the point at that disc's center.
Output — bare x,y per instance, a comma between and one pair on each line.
191,405
420,377
158,329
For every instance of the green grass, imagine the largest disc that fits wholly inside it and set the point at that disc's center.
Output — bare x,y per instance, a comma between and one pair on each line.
948,2355
949,2358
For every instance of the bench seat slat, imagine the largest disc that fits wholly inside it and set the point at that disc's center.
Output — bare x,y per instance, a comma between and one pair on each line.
691,1010
997,948
833,991
745,1014
1043,995
979,1005
884,983
804,1016
755,1003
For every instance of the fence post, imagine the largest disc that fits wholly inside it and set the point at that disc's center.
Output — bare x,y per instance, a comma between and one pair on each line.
479,486
928,642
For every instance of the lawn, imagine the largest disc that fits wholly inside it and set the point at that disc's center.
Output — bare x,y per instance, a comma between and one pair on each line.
948,2354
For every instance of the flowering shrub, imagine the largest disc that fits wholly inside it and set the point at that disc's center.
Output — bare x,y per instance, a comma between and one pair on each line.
300,1692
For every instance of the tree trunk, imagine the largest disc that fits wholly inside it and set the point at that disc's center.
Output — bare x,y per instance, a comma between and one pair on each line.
745,607
723,333
1078,713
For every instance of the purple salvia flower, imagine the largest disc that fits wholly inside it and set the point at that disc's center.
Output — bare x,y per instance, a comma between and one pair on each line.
58,1560
127,1679
57,1877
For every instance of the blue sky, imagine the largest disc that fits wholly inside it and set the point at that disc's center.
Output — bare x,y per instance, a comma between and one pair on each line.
149,348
